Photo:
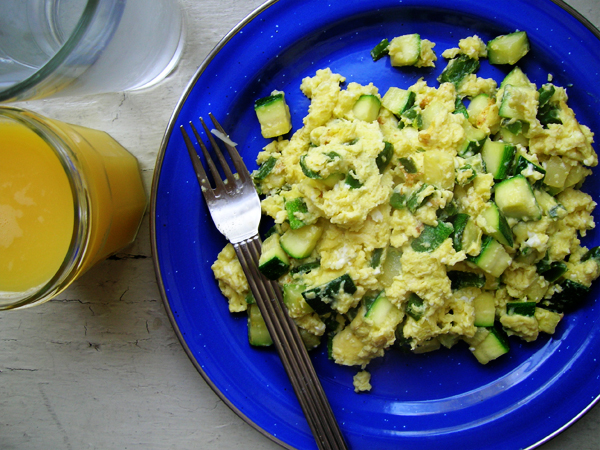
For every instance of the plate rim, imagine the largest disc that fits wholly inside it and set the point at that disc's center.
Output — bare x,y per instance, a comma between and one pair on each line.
152,222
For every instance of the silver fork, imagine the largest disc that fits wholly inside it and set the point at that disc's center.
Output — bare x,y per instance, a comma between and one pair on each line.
234,206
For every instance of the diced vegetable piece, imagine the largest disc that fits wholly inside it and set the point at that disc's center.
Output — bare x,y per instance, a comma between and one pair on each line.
478,105
438,169
514,100
460,108
258,334
273,261
391,266
417,198
432,237
521,308
485,309
571,296
474,140
593,253
493,346
265,168
460,280
367,108
415,307
458,68
352,180
496,221
548,112
508,49
398,200
516,77
380,50
549,205
376,257
527,168
551,270
294,301
305,267
493,258
398,100
556,174
273,115
384,157
300,242
296,210
505,135
515,199
405,50
307,170
322,298
409,165
378,308
498,158
459,222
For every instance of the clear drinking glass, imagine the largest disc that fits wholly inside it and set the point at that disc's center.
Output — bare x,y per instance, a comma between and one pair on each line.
69,197
78,47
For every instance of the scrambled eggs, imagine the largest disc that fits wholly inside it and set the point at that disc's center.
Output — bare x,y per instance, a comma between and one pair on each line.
386,196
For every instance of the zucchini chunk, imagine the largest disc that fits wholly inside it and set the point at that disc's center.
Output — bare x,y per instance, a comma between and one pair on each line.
493,258
494,345
478,105
498,158
556,174
265,169
551,270
432,237
300,242
391,266
514,99
485,309
380,50
572,295
367,108
415,307
515,199
527,168
273,261
296,209
458,68
378,308
384,157
398,101
509,48
549,205
405,50
293,300
521,308
498,223
516,77
322,298
474,140
258,334
273,115
460,280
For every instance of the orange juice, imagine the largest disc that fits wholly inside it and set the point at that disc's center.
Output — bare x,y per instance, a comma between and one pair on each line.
69,197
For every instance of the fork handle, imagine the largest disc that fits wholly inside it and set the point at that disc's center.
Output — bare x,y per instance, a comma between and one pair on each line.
291,349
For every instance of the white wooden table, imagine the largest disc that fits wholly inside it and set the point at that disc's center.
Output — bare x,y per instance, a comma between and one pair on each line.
100,367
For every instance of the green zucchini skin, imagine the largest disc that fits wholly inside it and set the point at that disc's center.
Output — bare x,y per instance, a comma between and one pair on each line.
322,297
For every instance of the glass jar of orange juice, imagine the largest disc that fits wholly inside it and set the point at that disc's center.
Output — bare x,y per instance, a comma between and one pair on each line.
69,197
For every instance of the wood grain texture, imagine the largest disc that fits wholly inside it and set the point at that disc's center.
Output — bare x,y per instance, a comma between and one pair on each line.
100,367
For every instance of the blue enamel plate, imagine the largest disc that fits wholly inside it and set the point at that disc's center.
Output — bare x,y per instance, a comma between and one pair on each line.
444,399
